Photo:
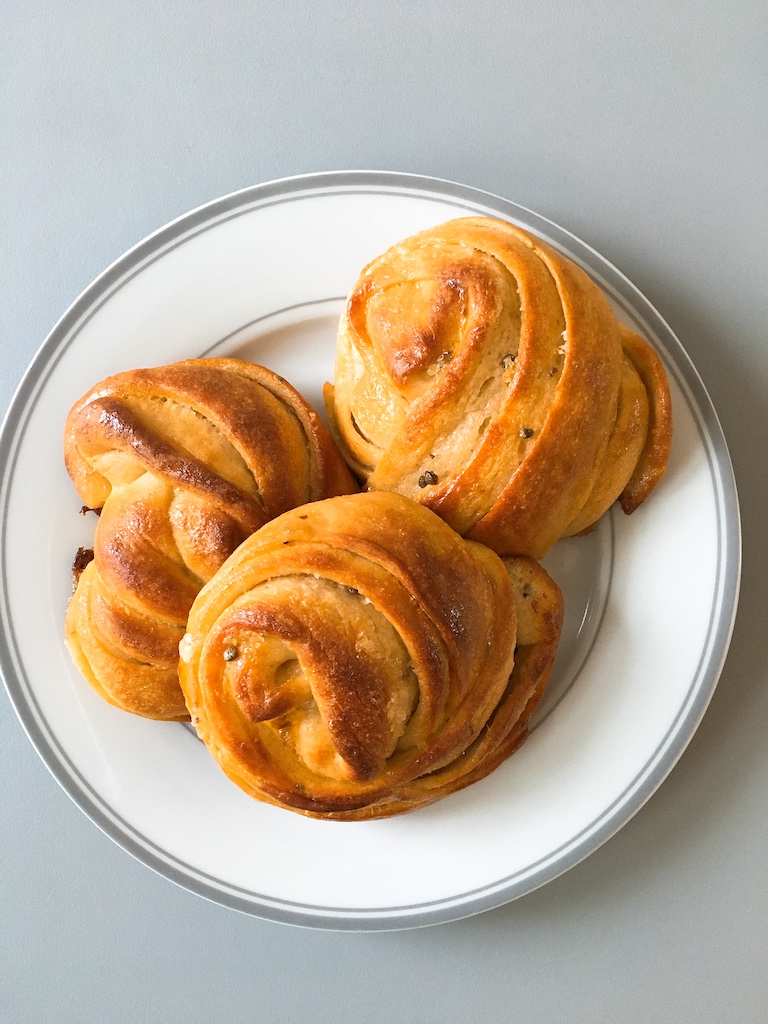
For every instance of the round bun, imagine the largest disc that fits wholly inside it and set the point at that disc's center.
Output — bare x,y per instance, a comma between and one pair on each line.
183,462
356,658
484,375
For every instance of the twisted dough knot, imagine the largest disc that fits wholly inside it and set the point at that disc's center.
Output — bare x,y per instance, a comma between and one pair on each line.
184,461
484,375
354,658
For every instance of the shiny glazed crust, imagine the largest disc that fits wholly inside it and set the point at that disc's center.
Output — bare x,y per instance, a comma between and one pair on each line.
355,658
184,462
484,375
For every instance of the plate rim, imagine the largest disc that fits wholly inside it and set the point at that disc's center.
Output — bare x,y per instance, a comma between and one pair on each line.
619,288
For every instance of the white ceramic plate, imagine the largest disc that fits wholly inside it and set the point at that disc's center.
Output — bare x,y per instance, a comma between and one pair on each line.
650,599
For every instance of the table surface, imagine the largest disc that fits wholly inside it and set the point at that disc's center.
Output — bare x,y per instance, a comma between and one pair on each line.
641,127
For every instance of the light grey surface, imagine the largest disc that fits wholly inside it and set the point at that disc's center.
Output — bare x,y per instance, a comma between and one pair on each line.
639,126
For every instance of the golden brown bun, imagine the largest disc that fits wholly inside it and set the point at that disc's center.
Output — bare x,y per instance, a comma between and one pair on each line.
484,375
184,461
354,658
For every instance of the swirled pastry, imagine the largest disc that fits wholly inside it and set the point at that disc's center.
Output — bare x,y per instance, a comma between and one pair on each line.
184,462
484,375
356,658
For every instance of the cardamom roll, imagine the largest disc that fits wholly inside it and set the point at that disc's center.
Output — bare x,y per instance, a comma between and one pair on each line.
483,374
183,462
355,658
